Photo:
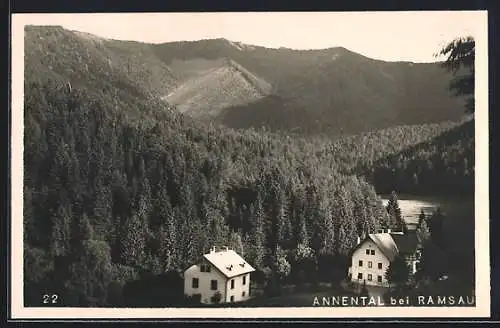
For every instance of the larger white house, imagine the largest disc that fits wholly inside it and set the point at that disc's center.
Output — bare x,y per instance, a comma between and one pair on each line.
374,253
222,276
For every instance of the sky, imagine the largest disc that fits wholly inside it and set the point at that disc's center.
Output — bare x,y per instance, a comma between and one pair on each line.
392,36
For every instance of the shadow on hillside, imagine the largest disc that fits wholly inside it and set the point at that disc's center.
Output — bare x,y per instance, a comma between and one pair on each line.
165,290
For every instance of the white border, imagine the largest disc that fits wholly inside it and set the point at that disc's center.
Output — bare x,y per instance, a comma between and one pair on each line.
482,308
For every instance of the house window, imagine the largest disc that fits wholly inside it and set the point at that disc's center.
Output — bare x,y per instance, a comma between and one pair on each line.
243,294
360,275
379,278
380,266
367,252
213,284
205,268
372,252
370,264
360,263
369,277
232,298
244,280
232,283
195,283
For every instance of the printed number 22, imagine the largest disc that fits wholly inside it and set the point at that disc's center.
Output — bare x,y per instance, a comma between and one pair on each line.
50,299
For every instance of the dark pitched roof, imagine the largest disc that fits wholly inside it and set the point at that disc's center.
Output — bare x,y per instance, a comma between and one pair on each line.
394,243
407,243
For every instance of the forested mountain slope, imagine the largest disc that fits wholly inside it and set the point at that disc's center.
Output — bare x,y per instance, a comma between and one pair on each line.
326,91
204,96
312,92
443,165
117,183
84,59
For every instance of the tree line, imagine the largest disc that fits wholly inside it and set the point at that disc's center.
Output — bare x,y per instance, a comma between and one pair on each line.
118,185
443,165
108,197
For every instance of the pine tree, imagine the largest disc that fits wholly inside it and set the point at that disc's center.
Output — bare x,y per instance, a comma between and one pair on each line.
303,235
85,229
285,231
460,54
235,243
169,244
346,231
423,231
326,229
257,235
61,231
90,276
281,266
436,228
398,272
30,231
396,220
102,211
133,241
421,217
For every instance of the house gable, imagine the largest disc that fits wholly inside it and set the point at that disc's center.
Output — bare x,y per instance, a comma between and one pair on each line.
223,272
373,255
367,244
386,244
199,282
369,263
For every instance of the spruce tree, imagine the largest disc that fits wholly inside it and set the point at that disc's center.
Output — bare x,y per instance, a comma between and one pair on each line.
436,228
257,235
169,244
61,231
133,241
421,217
89,276
398,272
86,231
396,220
235,243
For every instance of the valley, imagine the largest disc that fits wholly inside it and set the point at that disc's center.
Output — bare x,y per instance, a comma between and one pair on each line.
138,158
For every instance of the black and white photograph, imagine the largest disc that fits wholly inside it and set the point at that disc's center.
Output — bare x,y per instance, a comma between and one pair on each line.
250,164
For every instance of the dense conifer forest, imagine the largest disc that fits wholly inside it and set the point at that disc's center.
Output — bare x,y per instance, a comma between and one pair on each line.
118,185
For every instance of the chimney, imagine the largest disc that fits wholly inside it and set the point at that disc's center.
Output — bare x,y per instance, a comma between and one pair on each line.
358,241
388,230
212,250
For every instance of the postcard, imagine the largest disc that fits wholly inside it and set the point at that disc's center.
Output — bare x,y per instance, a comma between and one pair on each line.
250,165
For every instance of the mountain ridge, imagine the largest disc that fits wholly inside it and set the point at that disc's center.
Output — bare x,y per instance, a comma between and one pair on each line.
313,91
333,86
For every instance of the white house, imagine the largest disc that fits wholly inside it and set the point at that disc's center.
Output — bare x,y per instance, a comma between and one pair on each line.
373,255
222,272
